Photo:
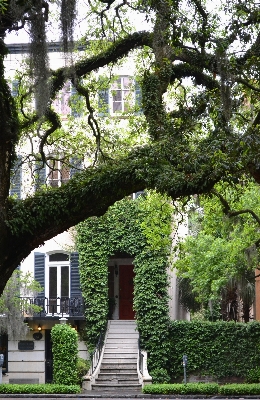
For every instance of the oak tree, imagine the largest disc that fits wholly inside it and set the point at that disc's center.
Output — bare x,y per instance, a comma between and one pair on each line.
198,69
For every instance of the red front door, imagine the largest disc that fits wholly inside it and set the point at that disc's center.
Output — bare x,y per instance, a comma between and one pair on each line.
126,289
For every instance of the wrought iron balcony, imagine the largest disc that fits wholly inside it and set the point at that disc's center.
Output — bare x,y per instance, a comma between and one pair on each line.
59,306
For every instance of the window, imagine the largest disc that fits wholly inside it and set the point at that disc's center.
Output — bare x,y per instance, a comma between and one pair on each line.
68,102
122,96
58,283
58,173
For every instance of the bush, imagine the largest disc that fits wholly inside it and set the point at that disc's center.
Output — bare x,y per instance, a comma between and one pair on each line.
65,354
253,375
160,375
82,368
179,388
233,389
39,389
239,389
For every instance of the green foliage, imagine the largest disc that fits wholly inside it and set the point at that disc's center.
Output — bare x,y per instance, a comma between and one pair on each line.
220,253
239,389
253,375
39,389
65,354
141,228
160,375
219,349
179,388
82,368
203,389
15,304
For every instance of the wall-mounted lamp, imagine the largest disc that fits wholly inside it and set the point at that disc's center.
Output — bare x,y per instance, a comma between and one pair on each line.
39,327
116,269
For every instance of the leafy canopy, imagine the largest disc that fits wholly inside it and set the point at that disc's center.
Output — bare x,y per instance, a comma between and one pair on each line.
197,64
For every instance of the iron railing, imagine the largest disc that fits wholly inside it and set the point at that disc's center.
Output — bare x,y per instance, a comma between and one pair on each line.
60,306
96,355
141,358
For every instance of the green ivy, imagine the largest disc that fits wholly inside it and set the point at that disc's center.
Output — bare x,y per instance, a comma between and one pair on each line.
65,354
219,349
142,229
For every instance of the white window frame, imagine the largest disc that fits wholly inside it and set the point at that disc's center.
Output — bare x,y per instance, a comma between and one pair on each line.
57,264
57,170
127,94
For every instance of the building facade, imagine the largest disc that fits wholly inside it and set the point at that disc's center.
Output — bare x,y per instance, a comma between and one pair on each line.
55,264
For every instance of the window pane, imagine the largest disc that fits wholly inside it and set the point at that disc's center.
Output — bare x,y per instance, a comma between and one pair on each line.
53,282
64,289
58,257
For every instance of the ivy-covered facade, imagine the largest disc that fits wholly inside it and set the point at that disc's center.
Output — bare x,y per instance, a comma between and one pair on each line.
124,261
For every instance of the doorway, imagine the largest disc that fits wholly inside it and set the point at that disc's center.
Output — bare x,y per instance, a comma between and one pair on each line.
126,292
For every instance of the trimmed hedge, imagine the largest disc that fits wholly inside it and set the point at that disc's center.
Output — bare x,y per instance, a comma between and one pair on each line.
219,349
39,389
204,388
179,388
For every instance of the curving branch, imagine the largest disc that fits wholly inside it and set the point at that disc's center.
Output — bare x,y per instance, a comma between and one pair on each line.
231,213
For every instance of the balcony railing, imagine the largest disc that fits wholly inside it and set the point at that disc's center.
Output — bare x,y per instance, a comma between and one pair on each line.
58,306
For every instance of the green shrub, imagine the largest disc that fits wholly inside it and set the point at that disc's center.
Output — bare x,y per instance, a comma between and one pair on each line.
239,389
160,375
179,388
65,354
39,389
253,375
82,368
219,349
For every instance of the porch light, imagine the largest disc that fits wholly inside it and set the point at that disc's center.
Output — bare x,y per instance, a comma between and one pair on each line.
116,269
63,320
39,327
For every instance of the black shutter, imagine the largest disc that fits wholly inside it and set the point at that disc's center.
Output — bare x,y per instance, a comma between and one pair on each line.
40,174
16,178
15,88
76,166
74,102
138,97
103,102
39,271
75,290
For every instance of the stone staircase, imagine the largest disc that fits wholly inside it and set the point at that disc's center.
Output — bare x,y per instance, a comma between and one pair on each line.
118,371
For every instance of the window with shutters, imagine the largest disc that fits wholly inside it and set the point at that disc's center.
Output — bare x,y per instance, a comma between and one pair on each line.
123,96
68,102
58,283
56,172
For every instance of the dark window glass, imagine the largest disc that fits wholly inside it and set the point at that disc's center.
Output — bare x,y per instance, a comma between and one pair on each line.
58,257
53,282
64,285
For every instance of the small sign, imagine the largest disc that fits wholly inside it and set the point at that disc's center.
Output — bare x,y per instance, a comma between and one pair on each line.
26,345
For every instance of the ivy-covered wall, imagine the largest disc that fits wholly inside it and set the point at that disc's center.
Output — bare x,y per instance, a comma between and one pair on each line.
219,349
142,229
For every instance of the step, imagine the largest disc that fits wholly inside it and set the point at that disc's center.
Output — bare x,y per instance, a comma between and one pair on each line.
114,345
116,368
121,340
120,350
117,387
116,375
113,381
120,357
